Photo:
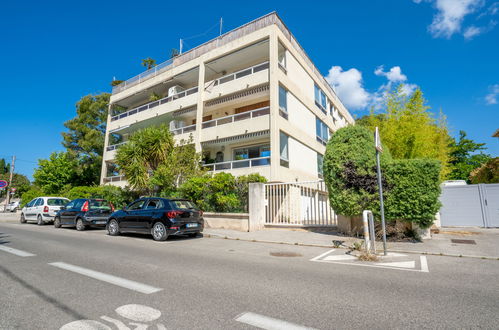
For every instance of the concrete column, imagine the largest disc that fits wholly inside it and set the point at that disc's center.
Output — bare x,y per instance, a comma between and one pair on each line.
256,206
274,106
106,143
200,108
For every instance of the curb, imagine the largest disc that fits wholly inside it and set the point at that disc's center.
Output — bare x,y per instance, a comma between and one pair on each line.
346,248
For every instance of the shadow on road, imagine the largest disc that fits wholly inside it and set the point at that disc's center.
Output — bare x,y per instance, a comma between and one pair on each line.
170,238
3,238
41,294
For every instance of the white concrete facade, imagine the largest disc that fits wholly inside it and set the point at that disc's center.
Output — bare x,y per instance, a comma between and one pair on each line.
237,97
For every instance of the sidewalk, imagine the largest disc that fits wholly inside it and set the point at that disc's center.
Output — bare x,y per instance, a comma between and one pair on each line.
486,240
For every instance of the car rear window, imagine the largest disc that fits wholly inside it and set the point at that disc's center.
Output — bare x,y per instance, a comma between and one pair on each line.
179,204
57,202
100,204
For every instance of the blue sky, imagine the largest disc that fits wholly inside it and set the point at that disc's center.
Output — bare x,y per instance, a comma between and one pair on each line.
54,52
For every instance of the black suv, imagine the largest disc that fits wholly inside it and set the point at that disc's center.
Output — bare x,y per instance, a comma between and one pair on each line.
159,217
84,212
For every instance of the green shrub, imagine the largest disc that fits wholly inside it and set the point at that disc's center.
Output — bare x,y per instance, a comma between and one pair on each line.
221,192
414,190
115,195
29,195
350,171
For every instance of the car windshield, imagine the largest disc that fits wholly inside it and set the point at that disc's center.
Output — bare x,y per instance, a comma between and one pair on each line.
57,202
100,204
179,204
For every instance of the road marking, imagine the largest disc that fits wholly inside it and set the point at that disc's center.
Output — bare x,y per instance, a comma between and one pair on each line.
424,264
124,283
341,257
322,255
400,264
17,252
268,323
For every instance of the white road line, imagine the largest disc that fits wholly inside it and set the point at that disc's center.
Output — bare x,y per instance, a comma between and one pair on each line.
424,264
400,264
322,255
268,323
340,257
124,283
16,251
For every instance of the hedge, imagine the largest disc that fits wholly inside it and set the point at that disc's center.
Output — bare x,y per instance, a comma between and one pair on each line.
414,190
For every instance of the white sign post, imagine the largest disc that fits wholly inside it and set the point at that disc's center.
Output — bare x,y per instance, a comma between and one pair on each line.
379,149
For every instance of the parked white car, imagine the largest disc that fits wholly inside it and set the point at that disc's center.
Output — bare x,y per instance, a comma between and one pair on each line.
42,209
12,207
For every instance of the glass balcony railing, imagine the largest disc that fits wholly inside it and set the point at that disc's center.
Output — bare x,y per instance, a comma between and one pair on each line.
241,73
154,104
235,164
115,146
182,130
114,178
237,117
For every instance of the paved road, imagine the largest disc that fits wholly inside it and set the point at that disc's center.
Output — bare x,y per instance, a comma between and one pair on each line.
50,278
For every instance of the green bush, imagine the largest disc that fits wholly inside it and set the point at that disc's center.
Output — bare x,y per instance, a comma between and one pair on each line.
221,192
115,195
414,190
29,195
350,171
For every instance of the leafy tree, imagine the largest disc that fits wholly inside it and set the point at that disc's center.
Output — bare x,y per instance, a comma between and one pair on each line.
148,63
53,174
19,181
85,137
464,158
116,82
350,171
152,162
116,195
31,194
4,166
409,131
487,173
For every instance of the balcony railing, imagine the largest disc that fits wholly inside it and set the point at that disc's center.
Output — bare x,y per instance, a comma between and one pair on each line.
182,130
114,178
115,146
237,117
154,104
162,67
235,164
241,73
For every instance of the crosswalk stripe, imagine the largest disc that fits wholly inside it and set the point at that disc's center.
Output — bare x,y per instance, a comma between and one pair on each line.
118,281
17,252
268,323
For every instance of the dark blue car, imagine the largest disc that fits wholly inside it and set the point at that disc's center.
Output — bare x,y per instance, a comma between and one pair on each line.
159,217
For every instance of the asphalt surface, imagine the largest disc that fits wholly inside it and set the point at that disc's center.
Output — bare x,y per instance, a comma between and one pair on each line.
210,283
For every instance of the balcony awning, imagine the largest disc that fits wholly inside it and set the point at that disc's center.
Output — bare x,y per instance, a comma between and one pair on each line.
237,138
250,91
183,111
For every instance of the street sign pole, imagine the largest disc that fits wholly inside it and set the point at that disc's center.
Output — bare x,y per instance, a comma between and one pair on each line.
7,198
379,149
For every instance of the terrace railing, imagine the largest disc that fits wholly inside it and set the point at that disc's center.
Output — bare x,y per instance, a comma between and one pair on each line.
235,164
237,117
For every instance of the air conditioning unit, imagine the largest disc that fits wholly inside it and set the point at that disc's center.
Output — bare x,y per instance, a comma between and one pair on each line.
175,90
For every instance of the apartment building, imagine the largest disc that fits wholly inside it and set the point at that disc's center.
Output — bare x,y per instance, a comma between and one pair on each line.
250,100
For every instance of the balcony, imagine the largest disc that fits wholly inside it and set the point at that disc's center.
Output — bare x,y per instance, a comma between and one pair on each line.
114,178
183,130
115,146
252,76
157,103
237,164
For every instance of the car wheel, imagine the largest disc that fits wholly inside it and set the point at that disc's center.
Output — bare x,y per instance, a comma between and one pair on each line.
57,222
158,232
80,226
39,220
113,228
23,219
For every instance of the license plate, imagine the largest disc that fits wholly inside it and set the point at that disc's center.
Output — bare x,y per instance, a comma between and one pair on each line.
191,225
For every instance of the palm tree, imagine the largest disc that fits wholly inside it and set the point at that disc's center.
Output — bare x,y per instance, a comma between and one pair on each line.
148,63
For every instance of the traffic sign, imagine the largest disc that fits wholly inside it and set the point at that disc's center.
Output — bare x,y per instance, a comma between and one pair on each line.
3,183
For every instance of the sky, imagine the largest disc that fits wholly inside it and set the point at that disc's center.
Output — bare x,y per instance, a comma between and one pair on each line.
55,52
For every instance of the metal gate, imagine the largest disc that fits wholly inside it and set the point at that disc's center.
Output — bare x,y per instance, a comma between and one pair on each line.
470,205
298,204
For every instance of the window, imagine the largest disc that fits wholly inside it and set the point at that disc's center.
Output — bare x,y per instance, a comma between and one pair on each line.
57,201
283,102
136,205
251,152
181,204
321,131
70,205
320,162
79,203
154,204
284,149
39,202
281,57
320,99
99,204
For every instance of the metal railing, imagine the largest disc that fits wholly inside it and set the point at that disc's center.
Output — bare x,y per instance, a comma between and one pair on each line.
235,164
240,74
160,68
182,130
115,146
154,104
237,117
298,204
114,178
